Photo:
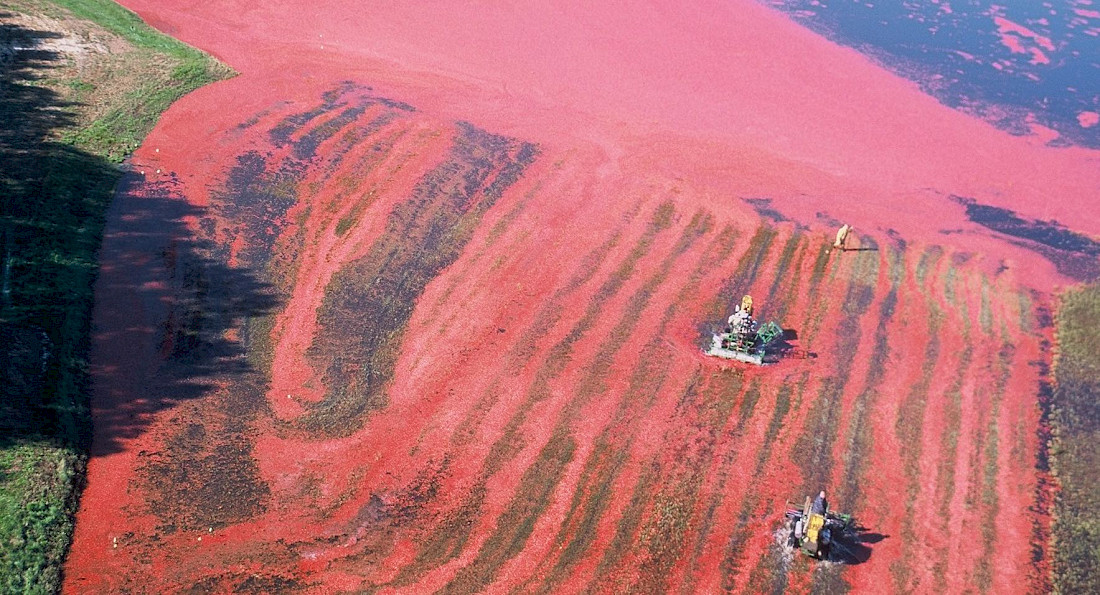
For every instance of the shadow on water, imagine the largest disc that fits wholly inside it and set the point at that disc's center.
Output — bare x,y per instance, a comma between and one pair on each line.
854,547
171,316
170,344
785,348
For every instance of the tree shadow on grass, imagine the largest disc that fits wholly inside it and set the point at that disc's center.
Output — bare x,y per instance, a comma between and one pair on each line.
52,197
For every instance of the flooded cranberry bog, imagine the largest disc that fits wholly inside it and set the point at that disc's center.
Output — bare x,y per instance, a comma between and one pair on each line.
388,312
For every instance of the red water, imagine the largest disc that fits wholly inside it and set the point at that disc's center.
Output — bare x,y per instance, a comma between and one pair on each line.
701,104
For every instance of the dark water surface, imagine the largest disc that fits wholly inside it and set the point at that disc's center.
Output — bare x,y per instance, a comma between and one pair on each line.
1010,63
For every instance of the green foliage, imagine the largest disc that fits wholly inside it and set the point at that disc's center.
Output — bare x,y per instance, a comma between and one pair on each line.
80,86
1075,421
34,521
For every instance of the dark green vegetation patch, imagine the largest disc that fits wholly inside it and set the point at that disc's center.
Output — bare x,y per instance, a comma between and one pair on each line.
1075,418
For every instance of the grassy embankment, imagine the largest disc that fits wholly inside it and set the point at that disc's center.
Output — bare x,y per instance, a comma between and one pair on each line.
81,84
1075,422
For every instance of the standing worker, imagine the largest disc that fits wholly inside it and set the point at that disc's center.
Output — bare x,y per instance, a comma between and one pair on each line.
841,242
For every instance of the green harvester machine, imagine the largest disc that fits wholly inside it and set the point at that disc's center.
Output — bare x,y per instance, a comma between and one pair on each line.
744,339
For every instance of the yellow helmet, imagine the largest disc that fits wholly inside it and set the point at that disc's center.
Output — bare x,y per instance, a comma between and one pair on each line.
746,304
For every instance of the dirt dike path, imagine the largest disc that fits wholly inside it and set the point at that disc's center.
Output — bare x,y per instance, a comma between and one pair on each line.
391,312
